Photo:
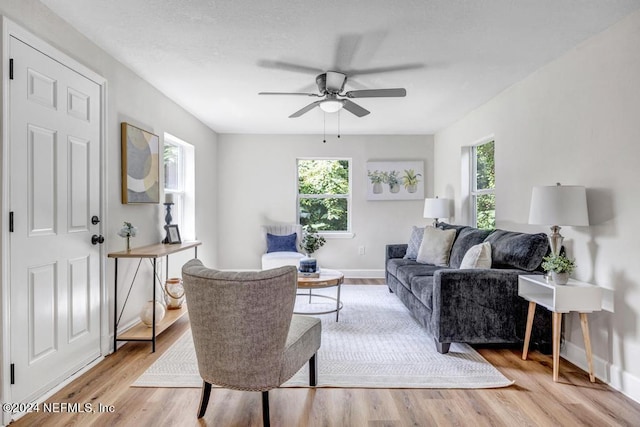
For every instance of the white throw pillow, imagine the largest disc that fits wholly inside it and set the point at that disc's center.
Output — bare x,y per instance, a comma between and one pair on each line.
478,256
436,246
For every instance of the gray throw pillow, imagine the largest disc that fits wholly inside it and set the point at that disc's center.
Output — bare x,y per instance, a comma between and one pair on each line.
414,242
436,246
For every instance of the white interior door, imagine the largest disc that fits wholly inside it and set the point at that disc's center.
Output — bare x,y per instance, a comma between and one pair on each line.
54,191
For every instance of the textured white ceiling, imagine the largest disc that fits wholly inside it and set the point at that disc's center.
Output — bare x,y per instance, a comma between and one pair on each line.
212,56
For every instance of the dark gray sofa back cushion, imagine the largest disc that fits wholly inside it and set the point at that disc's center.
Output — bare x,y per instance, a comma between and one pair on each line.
510,249
467,237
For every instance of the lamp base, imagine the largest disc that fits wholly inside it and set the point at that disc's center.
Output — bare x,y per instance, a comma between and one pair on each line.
555,240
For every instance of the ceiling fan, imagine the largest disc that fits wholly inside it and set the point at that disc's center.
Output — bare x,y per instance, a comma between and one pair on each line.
331,88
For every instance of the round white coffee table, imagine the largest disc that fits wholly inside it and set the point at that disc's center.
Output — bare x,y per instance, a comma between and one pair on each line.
328,278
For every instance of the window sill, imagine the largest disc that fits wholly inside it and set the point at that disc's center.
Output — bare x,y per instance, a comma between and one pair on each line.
337,235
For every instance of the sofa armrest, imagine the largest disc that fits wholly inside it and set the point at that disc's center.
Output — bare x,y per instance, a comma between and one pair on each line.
475,305
395,251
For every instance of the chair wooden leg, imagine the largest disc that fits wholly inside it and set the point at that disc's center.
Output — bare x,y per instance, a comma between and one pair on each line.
265,408
313,371
204,398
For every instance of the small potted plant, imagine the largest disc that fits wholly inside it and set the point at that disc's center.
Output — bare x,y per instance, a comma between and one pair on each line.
311,242
559,266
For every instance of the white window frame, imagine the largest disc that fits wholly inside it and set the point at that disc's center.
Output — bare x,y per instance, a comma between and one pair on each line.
348,197
474,192
183,210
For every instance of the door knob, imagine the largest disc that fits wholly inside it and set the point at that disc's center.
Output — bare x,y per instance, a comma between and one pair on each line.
95,239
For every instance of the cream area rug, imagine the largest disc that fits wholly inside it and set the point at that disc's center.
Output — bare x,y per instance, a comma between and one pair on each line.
375,344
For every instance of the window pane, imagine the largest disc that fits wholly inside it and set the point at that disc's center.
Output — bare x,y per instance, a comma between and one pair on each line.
485,166
324,214
323,176
171,167
486,211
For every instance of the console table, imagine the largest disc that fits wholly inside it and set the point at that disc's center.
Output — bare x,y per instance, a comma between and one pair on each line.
574,296
141,332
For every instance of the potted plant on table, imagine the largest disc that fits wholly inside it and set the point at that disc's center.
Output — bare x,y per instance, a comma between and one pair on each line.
311,242
559,266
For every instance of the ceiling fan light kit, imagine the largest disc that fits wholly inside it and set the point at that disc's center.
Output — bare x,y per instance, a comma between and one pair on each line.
331,86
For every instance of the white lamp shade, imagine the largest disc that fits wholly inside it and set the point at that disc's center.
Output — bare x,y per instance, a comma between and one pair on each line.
559,205
437,208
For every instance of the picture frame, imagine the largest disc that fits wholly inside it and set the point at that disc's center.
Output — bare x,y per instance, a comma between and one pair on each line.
395,180
140,165
173,234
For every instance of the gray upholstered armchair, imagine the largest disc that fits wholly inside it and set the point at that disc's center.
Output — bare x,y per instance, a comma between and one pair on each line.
245,333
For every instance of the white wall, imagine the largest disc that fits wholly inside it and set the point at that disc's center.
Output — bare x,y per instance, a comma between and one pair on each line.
257,185
575,121
131,99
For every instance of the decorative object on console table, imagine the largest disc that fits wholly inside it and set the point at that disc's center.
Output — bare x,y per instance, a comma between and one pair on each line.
558,205
173,234
140,165
168,202
436,209
174,293
128,231
146,314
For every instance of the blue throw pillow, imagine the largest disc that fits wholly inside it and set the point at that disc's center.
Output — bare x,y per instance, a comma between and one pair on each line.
277,243
414,242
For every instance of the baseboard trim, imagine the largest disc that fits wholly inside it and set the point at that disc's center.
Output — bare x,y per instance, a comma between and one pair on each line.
612,375
362,274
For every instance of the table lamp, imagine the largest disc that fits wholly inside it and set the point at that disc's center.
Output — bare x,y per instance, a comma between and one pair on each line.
437,208
558,205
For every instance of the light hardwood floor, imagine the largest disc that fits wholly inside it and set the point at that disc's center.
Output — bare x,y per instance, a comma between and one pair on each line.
534,400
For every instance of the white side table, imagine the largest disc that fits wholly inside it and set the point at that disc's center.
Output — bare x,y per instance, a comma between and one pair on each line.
574,296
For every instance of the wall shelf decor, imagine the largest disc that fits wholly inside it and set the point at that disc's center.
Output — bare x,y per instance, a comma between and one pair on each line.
395,180
140,165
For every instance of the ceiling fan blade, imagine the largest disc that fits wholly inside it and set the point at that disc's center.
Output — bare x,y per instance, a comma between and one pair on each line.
354,108
377,70
335,81
377,93
281,65
345,50
305,109
288,93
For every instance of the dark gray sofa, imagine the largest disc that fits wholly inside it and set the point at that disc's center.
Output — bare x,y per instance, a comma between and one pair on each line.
477,306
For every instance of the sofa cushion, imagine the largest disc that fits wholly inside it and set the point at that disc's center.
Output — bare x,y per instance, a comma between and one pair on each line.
285,243
467,237
436,246
417,233
510,249
478,256
394,263
422,288
407,273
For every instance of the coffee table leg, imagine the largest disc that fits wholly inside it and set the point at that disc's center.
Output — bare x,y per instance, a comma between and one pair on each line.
338,303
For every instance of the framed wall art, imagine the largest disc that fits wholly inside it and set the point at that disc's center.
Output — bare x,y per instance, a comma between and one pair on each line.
140,165
395,180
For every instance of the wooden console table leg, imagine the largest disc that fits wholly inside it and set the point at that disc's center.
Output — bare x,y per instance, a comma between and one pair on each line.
527,334
587,344
557,326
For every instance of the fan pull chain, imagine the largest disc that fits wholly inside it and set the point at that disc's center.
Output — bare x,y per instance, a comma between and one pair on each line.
338,123
324,128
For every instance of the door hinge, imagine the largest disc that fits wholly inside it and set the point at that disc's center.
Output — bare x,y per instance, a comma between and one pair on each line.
10,68
11,222
13,373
